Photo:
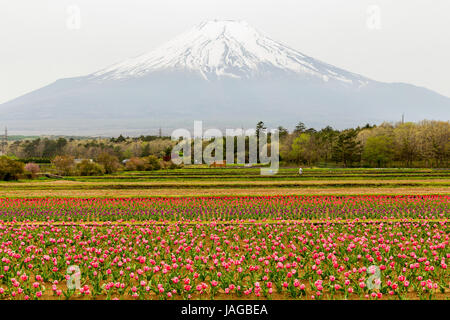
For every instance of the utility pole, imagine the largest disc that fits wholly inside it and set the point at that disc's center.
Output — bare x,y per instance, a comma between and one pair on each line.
403,118
160,132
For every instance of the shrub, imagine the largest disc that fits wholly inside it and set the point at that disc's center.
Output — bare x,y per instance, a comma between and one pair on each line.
169,165
175,166
32,168
109,162
89,168
152,163
10,169
135,164
64,165
149,163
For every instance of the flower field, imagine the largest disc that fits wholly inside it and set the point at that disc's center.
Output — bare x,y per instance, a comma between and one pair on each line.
283,247
225,208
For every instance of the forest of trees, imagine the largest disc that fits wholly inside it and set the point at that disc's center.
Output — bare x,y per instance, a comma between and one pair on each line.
423,144
121,147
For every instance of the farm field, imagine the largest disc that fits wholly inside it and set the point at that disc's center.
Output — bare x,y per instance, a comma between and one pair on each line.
233,181
192,173
361,234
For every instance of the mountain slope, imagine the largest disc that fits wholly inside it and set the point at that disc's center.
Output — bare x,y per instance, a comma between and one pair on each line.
225,73
218,49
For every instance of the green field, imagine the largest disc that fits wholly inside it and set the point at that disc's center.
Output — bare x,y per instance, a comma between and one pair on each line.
237,180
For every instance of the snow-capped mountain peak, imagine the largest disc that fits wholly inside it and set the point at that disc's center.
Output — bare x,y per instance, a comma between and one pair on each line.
225,73
226,48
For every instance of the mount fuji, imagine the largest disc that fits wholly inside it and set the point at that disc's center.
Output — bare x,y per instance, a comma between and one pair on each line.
225,73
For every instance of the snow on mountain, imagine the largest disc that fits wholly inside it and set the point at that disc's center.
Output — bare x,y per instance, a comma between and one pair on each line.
225,73
228,48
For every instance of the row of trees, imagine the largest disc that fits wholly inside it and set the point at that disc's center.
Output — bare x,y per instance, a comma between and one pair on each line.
426,143
423,144
122,148
106,163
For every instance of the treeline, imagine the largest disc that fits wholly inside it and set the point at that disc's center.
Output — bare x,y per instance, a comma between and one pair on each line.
423,144
15,169
84,157
43,150
105,163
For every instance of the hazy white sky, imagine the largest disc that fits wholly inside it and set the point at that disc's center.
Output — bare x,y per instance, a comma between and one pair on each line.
412,43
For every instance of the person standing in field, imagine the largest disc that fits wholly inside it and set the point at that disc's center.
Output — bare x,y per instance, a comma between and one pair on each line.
300,171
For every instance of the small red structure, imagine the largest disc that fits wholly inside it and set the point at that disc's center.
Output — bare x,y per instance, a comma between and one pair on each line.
218,164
